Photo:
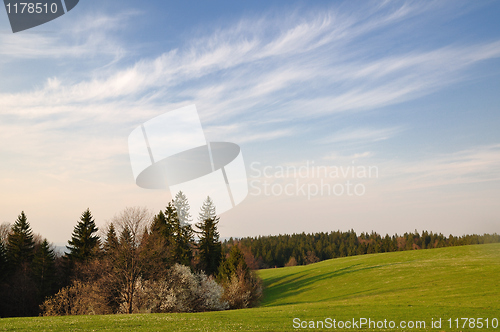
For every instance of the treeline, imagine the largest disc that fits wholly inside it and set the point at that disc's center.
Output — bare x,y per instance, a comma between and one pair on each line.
302,249
138,263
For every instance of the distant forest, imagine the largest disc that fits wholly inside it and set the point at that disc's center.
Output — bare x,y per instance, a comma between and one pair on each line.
301,249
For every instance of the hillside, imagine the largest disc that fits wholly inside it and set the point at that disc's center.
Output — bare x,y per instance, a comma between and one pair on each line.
455,282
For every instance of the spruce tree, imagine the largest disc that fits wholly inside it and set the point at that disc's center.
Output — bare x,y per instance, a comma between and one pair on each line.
43,269
127,240
182,207
20,243
209,246
178,237
231,265
83,241
163,224
3,261
111,242
183,238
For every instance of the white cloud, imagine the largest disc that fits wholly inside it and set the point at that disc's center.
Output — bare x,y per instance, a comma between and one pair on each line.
88,37
243,68
481,164
346,159
360,135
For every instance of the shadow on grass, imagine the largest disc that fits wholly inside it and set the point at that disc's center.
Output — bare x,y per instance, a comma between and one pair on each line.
302,281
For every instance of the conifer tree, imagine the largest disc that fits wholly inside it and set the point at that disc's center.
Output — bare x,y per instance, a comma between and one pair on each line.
183,238
20,243
43,269
111,242
163,224
126,239
182,207
83,241
3,261
171,221
209,246
231,265
178,237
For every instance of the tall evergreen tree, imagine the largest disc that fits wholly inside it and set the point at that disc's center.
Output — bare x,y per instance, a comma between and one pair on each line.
83,241
111,242
163,224
209,246
20,293
127,240
43,269
179,238
3,261
233,264
20,243
182,207
183,238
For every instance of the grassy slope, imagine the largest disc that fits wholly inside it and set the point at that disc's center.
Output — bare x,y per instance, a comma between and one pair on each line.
414,285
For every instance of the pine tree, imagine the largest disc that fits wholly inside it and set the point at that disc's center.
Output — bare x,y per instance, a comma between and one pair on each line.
207,210
234,263
3,261
179,238
111,242
163,224
20,243
209,245
126,239
83,241
43,269
182,207
183,238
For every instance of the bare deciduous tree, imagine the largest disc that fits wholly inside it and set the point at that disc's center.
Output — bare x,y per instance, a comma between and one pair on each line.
130,259
5,229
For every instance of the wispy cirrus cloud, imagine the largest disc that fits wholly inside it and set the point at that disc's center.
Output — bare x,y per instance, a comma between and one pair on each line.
481,164
360,135
302,66
87,37
258,66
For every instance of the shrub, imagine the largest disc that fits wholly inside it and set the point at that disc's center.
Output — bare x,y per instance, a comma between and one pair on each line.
242,287
242,290
181,291
78,299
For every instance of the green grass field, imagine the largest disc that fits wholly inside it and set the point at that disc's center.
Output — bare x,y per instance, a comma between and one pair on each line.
424,285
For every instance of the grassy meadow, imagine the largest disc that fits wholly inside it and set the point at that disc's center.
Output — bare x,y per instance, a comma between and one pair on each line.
423,285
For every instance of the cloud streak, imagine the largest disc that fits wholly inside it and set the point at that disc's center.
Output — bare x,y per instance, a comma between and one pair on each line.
481,164
299,67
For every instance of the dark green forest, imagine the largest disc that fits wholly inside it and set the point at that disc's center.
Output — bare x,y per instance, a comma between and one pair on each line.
301,249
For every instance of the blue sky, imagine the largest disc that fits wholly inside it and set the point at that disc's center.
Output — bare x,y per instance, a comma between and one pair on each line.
408,87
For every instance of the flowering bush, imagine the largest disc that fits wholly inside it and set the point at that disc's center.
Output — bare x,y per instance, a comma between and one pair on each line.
181,291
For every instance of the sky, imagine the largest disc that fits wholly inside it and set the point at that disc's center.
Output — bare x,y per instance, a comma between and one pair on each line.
374,116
